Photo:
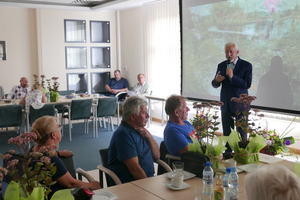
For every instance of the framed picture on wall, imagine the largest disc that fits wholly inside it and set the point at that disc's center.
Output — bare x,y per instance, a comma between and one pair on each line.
98,82
77,82
76,57
2,50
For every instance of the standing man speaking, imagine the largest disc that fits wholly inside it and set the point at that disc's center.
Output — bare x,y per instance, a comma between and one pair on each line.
235,76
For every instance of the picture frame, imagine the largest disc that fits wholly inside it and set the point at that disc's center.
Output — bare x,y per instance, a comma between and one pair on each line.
2,50
78,82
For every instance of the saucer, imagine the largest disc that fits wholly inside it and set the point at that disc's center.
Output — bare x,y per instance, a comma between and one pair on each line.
184,186
104,195
238,170
186,175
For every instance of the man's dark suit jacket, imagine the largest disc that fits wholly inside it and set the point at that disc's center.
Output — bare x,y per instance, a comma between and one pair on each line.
239,84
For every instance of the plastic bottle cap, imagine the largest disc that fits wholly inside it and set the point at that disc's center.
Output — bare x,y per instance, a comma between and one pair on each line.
233,169
228,170
208,164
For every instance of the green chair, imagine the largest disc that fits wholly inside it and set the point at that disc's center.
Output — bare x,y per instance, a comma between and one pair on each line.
80,109
34,114
106,107
11,116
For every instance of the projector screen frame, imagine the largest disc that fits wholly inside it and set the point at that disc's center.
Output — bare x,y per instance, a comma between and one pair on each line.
262,108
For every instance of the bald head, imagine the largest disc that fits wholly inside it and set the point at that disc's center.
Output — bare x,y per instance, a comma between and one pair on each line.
24,82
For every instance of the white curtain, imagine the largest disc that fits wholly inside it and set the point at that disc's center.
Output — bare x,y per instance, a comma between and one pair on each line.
162,47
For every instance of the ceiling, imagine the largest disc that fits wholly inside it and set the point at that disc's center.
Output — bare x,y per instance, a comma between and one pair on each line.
93,5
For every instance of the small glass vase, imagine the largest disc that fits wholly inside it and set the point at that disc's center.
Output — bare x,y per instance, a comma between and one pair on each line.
54,96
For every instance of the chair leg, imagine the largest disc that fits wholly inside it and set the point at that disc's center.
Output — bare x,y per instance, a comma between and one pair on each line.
62,124
70,135
87,126
104,123
111,123
100,122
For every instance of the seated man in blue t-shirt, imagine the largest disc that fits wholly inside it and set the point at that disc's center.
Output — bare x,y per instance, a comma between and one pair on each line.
116,85
132,148
178,130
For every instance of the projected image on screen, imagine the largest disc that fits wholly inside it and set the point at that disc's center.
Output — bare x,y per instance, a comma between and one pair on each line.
267,34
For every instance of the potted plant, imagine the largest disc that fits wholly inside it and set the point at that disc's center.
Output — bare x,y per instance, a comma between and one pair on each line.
37,170
277,143
42,82
246,149
53,89
204,141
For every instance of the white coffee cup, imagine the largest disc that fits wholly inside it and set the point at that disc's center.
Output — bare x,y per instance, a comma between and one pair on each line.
177,180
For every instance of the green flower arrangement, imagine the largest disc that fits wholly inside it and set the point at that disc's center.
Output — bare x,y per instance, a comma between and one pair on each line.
36,167
204,141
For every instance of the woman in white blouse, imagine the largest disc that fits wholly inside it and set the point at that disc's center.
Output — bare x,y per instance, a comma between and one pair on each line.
35,98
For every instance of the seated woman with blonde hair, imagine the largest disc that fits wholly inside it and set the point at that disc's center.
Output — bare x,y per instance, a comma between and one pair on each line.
48,134
274,182
35,97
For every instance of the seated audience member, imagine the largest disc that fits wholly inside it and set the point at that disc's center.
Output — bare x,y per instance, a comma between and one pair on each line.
142,88
116,85
2,93
35,97
178,130
19,91
48,134
274,182
132,148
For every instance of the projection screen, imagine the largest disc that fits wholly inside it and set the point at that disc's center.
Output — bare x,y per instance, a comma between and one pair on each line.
267,33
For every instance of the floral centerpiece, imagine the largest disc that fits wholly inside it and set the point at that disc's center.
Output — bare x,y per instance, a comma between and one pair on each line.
42,82
36,179
204,140
53,89
277,143
246,150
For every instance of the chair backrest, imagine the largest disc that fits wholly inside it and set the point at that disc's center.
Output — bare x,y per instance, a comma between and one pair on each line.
104,157
81,109
194,162
107,106
66,92
163,151
10,115
34,114
104,160
69,164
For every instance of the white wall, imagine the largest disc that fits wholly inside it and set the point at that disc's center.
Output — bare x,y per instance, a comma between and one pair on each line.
35,43
18,29
52,45
131,27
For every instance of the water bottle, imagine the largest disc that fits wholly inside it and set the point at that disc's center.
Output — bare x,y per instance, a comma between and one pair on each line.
208,178
226,184
48,97
234,184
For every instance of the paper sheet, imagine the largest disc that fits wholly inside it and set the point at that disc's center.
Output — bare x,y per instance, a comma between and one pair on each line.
269,159
130,93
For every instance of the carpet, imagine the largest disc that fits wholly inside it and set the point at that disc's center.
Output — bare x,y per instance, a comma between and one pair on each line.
84,146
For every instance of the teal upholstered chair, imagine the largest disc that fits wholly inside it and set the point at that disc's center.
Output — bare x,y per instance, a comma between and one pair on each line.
106,108
80,109
34,114
11,116
59,107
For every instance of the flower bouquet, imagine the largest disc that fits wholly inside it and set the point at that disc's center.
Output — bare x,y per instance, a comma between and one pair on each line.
205,125
277,143
42,82
53,89
30,173
246,150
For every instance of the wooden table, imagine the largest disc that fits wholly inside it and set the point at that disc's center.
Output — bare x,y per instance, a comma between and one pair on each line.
155,187
128,191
